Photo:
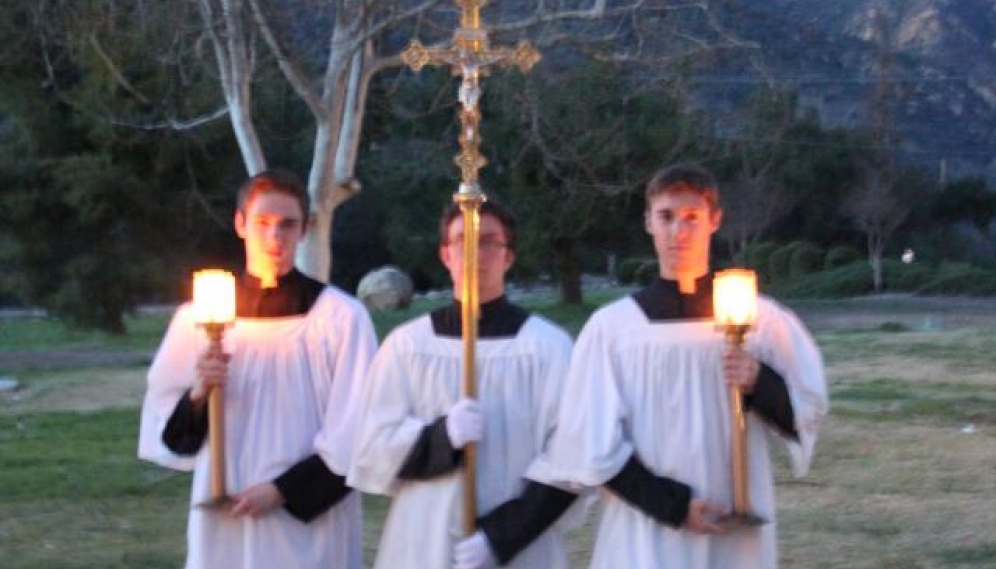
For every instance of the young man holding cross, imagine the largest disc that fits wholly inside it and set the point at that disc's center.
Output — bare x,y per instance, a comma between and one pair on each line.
416,424
295,357
646,412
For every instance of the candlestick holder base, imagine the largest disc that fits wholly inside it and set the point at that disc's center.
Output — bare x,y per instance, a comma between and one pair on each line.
742,520
221,503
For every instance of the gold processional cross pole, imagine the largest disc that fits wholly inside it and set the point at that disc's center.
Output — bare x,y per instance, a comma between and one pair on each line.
470,56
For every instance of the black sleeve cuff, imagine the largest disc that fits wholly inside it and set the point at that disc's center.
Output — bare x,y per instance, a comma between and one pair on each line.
770,400
309,488
512,526
664,499
432,454
186,428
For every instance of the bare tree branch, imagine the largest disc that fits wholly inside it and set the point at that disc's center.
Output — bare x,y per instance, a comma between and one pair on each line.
291,72
220,53
597,11
172,123
115,72
357,39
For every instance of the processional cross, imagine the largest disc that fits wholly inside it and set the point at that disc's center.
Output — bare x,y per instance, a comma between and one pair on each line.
470,56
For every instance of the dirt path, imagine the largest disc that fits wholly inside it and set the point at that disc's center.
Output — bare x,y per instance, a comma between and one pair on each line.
70,359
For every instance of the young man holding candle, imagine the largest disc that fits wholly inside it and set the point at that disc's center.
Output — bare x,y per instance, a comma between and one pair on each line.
290,372
646,412
416,423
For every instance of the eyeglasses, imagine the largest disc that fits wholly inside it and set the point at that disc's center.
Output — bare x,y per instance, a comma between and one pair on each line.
484,245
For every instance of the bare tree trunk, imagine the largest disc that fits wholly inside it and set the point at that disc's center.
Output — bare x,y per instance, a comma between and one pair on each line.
569,269
331,180
239,112
875,246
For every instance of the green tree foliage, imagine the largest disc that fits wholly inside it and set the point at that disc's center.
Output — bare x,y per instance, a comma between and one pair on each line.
408,159
579,147
806,258
967,200
840,255
95,217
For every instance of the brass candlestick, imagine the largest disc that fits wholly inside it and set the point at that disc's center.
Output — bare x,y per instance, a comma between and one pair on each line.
735,307
216,426
214,310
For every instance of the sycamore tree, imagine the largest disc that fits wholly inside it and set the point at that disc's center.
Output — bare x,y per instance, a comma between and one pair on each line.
327,51
353,40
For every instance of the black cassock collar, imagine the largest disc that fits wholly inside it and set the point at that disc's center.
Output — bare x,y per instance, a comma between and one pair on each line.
661,300
499,319
294,294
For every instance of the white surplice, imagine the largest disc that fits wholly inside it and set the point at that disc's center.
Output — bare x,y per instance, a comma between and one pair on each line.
292,391
415,379
657,389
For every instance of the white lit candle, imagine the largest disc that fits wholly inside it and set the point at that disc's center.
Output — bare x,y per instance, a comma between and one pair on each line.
214,297
734,297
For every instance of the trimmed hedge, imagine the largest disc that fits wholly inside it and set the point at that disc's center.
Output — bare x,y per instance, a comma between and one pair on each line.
850,280
757,257
960,279
804,259
841,255
855,279
637,270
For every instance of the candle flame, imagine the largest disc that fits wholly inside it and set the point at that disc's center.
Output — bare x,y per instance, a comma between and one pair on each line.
214,296
734,294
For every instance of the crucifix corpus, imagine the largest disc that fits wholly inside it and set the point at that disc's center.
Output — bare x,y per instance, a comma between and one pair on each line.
470,56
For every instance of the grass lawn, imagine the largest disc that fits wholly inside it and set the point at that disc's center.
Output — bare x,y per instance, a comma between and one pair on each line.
904,476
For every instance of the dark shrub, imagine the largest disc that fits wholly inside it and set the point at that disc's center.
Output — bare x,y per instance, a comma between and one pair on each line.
757,256
840,255
646,272
805,258
850,280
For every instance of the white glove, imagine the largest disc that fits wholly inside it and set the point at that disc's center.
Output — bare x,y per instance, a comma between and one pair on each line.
474,552
464,423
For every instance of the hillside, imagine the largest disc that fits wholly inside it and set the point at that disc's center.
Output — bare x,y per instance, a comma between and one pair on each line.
941,69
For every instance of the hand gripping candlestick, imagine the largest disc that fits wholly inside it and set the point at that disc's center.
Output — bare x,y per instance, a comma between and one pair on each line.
214,310
469,55
735,309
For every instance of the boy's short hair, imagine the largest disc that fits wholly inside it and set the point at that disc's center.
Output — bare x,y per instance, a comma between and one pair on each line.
684,177
278,181
494,209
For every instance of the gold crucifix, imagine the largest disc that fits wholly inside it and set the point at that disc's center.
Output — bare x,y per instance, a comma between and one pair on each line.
470,56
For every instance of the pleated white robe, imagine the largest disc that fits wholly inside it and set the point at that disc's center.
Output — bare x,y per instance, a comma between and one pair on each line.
657,389
415,379
292,392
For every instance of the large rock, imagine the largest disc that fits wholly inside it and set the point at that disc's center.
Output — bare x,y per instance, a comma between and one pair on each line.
385,288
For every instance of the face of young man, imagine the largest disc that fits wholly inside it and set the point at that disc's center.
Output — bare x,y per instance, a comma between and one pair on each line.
681,224
271,225
494,257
